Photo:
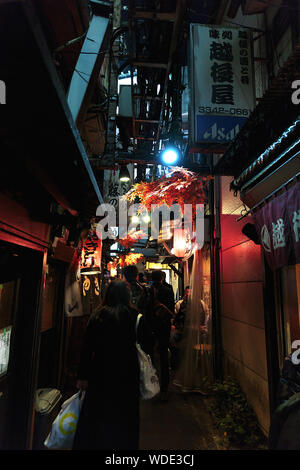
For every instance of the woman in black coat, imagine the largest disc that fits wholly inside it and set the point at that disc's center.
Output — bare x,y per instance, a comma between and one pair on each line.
109,372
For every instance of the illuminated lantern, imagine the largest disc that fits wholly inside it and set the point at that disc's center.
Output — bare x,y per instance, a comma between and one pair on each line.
179,243
91,254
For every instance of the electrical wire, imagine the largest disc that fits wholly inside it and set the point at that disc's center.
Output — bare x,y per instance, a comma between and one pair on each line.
84,79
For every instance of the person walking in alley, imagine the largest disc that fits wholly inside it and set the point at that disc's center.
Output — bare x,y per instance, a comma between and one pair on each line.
165,293
158,317
131,275
166,284
177,327
109,372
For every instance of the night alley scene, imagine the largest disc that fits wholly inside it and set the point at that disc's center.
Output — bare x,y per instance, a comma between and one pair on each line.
149,229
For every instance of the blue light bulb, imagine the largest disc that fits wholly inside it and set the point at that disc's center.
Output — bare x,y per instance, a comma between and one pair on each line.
170,156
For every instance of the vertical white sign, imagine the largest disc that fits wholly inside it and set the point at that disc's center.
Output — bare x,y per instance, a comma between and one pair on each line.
222,82
2,92
113,188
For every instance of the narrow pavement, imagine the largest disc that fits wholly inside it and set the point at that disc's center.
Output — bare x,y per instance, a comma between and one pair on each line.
181,423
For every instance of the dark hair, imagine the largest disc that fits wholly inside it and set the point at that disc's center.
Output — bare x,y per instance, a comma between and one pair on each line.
157,276
147,301
116,293
116,298
130,272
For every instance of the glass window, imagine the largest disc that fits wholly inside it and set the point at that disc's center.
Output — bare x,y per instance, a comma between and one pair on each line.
7,291
290,281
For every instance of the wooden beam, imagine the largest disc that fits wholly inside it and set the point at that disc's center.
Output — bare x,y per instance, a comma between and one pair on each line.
150,64
152,15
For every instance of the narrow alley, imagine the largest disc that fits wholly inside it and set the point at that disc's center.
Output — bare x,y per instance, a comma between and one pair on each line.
149,226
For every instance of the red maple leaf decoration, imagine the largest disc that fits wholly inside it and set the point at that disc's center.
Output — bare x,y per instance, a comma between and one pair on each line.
182,187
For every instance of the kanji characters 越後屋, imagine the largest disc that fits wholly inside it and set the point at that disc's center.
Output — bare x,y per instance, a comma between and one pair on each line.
222,94
278,234
221,51
296,224
222,72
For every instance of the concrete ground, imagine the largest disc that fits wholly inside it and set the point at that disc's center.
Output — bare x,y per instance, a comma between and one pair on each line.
181,423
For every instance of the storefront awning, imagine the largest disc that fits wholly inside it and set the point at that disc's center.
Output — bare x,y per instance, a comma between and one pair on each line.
278,225
272,117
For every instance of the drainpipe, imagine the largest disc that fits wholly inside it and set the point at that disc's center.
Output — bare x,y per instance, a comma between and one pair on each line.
214,203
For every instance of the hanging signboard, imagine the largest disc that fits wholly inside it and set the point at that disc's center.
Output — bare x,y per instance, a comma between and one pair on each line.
278,225
221,83
113,188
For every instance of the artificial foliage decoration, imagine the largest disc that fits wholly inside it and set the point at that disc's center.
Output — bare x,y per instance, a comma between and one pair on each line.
182,187
133,258
131,238
125,260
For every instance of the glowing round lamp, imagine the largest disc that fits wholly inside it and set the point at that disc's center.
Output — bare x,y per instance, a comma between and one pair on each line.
124,175
170,156
135,219
147,218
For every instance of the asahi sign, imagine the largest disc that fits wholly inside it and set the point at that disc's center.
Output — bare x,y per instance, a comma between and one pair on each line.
221,82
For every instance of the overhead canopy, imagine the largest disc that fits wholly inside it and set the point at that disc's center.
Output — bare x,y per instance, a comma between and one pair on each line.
39,139
273,116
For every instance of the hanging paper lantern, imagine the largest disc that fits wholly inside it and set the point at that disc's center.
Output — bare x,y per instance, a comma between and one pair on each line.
179,243
91,254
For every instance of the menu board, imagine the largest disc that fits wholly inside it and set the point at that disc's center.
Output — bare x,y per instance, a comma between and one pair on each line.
5,337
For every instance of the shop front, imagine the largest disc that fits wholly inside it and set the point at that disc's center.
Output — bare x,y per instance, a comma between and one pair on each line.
270,188
278,226
23,246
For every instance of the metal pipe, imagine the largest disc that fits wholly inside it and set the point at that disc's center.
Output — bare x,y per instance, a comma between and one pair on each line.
215,285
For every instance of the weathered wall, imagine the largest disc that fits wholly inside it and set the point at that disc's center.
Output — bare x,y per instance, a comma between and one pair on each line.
243,331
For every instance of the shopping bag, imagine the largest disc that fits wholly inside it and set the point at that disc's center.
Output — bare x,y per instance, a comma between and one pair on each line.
149,383
64,426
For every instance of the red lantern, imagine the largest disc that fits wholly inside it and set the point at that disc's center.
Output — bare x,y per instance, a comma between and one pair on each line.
179,243
91,254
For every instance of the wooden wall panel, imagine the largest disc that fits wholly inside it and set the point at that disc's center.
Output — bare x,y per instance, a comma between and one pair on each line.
244,302
242,263
246,343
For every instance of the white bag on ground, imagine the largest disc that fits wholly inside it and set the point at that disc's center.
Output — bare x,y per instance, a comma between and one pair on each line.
149,383
64,426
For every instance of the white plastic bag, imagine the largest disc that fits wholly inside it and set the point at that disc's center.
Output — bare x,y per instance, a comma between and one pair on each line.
64,426
149,383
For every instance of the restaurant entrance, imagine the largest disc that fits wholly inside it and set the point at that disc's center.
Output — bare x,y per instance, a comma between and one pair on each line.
20,287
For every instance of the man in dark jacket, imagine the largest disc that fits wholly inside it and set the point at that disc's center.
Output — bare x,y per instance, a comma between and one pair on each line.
165,293
131,276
